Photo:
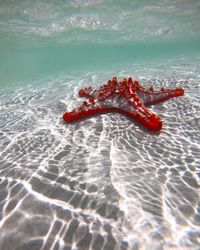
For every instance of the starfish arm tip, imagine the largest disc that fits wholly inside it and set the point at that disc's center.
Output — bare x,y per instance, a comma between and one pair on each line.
67,117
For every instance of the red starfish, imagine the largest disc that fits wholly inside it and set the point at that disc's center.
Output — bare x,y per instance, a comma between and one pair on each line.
127,97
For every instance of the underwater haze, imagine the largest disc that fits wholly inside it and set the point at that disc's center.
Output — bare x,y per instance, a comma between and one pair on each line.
40,38
104,182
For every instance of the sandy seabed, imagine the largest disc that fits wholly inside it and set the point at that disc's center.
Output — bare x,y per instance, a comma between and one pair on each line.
103,183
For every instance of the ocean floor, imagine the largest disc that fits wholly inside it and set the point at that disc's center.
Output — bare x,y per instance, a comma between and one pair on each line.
105,182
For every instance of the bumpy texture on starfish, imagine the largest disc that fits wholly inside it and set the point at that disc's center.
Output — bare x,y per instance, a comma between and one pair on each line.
127,97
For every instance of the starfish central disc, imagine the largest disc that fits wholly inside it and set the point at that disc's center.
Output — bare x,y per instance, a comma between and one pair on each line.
127,97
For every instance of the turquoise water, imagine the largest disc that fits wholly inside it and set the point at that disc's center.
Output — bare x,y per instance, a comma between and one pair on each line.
41,39
106,182
31,63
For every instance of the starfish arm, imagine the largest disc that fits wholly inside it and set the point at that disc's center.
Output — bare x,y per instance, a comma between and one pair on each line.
80,113
106,90
151,97
87,92
94,105
140,113
150,121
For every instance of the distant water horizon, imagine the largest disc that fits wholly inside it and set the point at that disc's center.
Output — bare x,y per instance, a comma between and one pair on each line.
42,39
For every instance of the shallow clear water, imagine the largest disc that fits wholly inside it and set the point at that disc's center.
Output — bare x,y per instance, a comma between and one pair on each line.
103,183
